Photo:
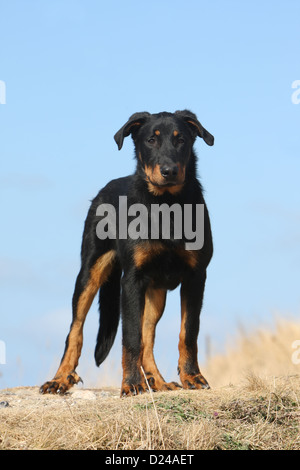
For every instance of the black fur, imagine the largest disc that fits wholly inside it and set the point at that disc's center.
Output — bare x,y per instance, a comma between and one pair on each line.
165,173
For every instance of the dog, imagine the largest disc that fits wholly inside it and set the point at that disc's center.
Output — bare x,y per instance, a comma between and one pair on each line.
134,273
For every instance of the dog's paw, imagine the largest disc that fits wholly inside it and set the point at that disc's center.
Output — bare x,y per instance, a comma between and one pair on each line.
159,385
60,384
193,382
133,389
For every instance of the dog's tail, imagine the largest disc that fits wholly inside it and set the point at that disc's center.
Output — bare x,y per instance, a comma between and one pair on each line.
109,306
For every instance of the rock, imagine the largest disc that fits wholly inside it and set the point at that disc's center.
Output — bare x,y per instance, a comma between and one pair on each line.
83,395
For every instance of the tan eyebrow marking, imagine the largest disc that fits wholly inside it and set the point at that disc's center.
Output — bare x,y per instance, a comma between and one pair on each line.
157,132
175,133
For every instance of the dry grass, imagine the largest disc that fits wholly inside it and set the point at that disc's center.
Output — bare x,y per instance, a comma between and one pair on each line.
265,352
259,415
258,412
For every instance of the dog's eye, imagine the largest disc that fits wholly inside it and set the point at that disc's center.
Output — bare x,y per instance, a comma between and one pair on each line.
181,140
151,140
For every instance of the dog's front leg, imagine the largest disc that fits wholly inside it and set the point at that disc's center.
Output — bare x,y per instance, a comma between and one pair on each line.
133,301
192,290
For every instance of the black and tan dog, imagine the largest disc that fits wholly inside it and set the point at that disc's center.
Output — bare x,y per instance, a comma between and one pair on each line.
135,273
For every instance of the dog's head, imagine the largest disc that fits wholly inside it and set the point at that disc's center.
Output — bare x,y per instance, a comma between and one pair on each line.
163,145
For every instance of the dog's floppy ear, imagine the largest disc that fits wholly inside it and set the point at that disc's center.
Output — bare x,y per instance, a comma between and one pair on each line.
196,127
134,122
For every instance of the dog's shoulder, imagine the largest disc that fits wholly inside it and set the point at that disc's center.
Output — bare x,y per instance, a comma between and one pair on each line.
110,193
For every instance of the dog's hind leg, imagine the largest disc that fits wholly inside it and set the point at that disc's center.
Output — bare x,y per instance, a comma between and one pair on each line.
154,306
92,275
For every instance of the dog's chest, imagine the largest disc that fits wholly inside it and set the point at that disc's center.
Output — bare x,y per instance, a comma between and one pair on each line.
164,265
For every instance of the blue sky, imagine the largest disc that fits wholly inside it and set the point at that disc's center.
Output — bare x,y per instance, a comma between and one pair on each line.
74,72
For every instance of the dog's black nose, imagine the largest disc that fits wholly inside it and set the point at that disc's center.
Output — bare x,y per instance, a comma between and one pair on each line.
169,172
